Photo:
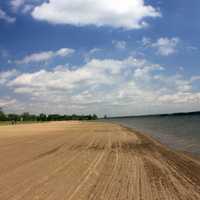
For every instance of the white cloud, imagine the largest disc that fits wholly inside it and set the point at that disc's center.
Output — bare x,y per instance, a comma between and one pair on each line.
105,85
94,72
45,56
94,50
128,14
97,84
27,8
95,76
7,102
195,78
116,86
119,44
91,53
146,42
166,46
16,4
181,98
64,52
5,17
7,75
24,6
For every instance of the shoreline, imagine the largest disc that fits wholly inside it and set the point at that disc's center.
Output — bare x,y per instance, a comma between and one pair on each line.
178,142
165,146
92,160
154,139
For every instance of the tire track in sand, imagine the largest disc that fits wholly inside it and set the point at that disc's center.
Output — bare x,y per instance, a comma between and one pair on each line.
87,174
48,177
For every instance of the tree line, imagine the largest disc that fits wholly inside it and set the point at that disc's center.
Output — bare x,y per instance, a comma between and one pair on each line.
43,117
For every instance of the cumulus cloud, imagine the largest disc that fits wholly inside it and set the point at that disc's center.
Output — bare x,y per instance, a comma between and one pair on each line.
45,56
24,6
181,98
95,76
94,50
146,42
27,8
16,4
95,72
4,16
195,78
128,14
164,46
7,102
7,75
119,44
102,85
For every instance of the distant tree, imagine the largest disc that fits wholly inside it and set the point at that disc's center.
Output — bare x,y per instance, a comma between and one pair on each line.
25,116
75,117
94,117
89,117
42,117
54,117
28,117
13,117
2,115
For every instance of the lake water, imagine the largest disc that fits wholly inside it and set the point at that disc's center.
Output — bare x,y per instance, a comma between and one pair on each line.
178,132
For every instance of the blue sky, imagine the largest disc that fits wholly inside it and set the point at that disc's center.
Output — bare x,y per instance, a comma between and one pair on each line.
88,56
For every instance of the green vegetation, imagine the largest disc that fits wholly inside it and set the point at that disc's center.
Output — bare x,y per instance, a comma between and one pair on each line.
27,117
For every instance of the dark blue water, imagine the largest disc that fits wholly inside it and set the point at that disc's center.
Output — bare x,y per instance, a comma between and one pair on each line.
178,132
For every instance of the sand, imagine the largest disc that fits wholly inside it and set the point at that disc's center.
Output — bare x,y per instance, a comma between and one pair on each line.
84,161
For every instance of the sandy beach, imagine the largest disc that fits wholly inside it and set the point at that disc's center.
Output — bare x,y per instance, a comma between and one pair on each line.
84,161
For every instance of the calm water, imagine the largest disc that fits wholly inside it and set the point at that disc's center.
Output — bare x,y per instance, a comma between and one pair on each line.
178,132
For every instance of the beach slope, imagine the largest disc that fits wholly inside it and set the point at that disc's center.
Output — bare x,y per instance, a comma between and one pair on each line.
84,161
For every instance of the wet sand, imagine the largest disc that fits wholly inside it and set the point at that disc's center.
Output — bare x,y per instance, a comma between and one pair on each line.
82,160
